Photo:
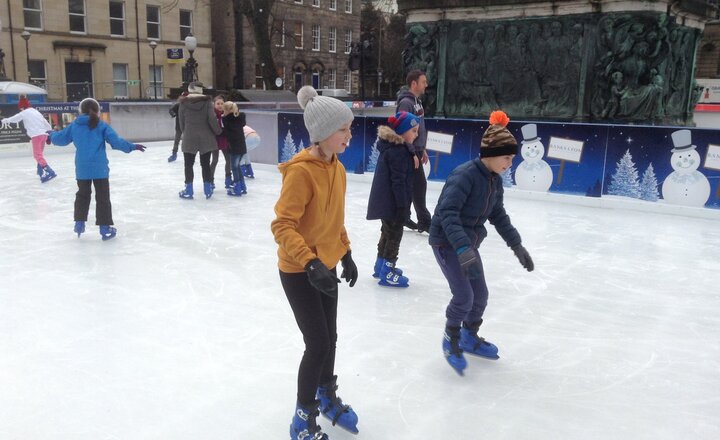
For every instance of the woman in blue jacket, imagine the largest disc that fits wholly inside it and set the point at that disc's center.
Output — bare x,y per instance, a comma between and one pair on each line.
472,195
89,135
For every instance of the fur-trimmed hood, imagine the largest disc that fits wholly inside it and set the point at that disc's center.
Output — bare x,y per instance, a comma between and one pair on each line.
388,134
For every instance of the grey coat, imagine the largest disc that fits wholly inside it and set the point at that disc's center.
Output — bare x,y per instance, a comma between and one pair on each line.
198,123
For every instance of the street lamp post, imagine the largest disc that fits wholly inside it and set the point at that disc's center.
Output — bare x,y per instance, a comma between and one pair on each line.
191,65
26,36
153,46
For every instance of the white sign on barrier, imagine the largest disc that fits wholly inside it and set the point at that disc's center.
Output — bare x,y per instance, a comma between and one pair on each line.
439,142
565,149
712,159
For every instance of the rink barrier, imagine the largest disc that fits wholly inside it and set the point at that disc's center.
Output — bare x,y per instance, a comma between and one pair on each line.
621,162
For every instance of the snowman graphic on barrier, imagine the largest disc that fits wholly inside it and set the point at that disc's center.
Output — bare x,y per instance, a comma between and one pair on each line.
533,173
685,185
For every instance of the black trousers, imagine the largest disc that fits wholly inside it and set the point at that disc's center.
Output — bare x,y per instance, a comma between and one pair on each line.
419,194
204,164
391,233
214,162
103,208
176,142
316,316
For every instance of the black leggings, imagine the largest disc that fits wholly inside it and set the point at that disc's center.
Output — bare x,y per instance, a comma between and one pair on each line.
214,162
391,233
419,194
103,208
316,316
204,164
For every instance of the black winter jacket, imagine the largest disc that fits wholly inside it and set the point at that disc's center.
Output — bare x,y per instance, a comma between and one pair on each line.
391,191
472,194
233,131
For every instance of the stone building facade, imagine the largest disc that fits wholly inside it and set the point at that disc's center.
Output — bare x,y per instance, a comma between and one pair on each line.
101,48
310,41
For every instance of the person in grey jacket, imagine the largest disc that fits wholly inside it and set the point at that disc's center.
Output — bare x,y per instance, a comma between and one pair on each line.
199,127
409,101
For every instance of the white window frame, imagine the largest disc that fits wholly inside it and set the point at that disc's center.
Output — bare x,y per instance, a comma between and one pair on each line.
315,32
333,5
347,81
315,3
37,80
156,85
348,41
120,81
157,23
348,6
299,2
332,39
33,11
121,19
302,34
183,26
75,14
332,79
282,35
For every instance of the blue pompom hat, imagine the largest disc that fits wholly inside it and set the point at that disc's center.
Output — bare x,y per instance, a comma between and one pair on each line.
403,121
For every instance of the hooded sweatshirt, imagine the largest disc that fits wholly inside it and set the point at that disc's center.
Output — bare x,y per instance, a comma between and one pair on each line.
310,213
407,102
198,124
91,161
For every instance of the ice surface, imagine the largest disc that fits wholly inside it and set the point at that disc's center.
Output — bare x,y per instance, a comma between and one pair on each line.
178,328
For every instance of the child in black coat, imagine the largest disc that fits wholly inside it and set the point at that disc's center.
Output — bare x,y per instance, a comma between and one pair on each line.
391,193
233,122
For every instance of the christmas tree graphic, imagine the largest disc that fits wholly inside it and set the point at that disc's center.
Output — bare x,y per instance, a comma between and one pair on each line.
374,155
507,181
288,149
625,180
649,185
301,146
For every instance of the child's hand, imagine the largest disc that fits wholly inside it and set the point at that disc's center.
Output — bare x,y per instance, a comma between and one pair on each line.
522,254
350,270
470,262
416,161
47,139
140,147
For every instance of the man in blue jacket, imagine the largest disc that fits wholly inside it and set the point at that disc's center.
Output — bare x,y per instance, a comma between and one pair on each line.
409,101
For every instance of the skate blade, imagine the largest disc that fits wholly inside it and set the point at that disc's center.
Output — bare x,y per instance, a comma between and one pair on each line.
492,358
350,429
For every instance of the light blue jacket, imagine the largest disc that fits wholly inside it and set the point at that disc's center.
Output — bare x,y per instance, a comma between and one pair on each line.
91,161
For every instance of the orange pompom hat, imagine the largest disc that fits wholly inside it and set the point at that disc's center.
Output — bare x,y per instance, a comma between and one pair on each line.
497,139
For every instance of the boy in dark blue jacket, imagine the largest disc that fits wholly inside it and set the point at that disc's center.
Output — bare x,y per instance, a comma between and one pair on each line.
391,193
472,195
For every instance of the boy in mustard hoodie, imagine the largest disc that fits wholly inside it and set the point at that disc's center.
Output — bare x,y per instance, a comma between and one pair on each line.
309,229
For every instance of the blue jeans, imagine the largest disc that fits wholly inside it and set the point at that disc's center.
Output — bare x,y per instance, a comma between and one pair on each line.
469,296
235,160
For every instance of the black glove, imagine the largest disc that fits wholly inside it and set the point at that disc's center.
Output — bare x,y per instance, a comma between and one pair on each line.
140,147
350,270
47,139
470,262
321,278
522,254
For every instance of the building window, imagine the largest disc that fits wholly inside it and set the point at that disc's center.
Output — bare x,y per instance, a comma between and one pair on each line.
279,33
38,74
153,21
185,23
156,82
32,14
348,6
117,18
298,2
316,79
259,83
298,35
76,10
332,39
120,81
347,80
316,37
333,5
348,40
332,79
316,3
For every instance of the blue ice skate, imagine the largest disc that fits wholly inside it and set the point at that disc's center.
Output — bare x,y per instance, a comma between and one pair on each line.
379,261
451,350
79,227
471,343
187,193
107,232
332,407
304,426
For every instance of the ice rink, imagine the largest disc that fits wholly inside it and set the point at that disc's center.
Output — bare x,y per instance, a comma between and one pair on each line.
178,328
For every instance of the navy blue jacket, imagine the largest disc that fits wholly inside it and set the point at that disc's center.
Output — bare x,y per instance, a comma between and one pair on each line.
391,191
472,194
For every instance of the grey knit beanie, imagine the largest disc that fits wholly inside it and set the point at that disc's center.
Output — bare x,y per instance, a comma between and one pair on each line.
323,115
